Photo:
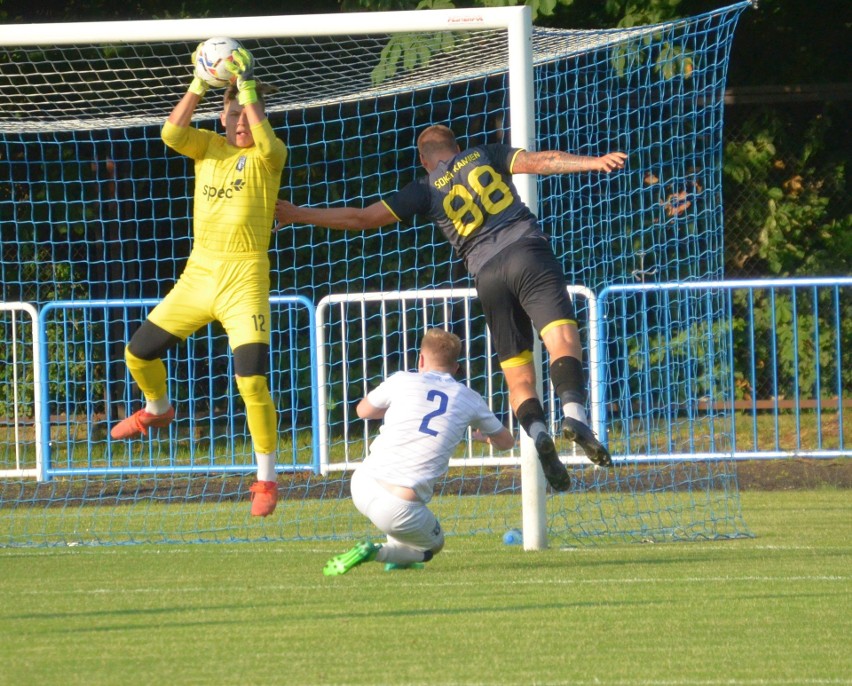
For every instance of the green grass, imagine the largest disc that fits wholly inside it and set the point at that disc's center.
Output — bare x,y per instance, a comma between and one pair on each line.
770,610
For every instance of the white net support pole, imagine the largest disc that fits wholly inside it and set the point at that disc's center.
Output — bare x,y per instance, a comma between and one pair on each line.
521,107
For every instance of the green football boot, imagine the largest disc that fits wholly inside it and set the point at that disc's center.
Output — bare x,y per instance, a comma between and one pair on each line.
362,552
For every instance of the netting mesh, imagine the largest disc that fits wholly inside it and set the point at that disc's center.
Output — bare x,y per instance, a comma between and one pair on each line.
125,84
94,207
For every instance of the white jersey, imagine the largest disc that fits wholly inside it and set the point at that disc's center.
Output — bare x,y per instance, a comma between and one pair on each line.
427,416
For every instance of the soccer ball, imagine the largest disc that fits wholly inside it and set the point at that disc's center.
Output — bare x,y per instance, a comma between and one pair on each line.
211,58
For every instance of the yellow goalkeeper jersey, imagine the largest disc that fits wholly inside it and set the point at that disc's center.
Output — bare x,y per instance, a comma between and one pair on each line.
235,188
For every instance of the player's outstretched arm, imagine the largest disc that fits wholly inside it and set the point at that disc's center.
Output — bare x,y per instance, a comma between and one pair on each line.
241,67
344,218
502,440
181,115
366,410
557,162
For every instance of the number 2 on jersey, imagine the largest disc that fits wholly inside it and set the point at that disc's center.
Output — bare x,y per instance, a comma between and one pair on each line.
442,399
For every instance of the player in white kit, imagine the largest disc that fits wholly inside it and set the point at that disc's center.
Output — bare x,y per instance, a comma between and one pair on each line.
426,415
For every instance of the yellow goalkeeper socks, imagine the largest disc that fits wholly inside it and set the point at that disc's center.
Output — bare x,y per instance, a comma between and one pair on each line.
260,414
150,376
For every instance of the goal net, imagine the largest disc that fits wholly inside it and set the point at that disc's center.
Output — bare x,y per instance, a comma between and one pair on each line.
96,222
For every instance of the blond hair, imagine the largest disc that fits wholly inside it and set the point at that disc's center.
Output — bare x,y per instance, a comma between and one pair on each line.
442,348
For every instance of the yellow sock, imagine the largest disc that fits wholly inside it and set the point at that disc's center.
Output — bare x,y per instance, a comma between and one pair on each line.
260,413
150,376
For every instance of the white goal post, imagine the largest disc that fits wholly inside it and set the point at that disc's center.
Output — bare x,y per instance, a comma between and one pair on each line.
23,356
515,21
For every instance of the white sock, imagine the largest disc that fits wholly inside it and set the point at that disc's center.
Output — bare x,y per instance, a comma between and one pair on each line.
400,554
266,467
536,428
575,411
158,406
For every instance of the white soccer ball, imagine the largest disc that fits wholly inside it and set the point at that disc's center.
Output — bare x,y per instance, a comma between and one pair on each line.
211,58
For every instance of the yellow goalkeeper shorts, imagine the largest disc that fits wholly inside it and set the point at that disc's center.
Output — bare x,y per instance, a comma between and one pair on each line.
234,292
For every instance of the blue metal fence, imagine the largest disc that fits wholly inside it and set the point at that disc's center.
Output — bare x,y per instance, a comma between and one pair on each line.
85,388
753,369
747,369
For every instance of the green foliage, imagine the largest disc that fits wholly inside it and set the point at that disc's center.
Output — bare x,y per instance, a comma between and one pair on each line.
672,60
75,371
377,5
412,50
633,13
781,346
407,51
40,279
669,59
539,8
17,390
783,331
786,178
677,367
791,42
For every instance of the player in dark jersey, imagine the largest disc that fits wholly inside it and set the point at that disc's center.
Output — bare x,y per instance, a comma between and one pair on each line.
470,196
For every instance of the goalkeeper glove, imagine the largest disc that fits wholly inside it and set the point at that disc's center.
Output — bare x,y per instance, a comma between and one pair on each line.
242,68
198,85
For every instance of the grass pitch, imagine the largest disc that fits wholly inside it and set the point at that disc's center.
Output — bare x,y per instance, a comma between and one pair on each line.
770,610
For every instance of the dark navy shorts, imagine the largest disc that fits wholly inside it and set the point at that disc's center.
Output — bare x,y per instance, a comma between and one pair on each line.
522,287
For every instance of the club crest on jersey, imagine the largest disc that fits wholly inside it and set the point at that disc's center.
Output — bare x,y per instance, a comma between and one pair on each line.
241,163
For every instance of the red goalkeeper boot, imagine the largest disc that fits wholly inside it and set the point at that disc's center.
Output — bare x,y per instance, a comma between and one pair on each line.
264,498
139,423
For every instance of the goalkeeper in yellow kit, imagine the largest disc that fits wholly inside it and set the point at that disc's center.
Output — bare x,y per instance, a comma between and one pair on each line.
226,279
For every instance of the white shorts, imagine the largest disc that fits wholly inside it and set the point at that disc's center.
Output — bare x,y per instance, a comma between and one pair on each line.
411,523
